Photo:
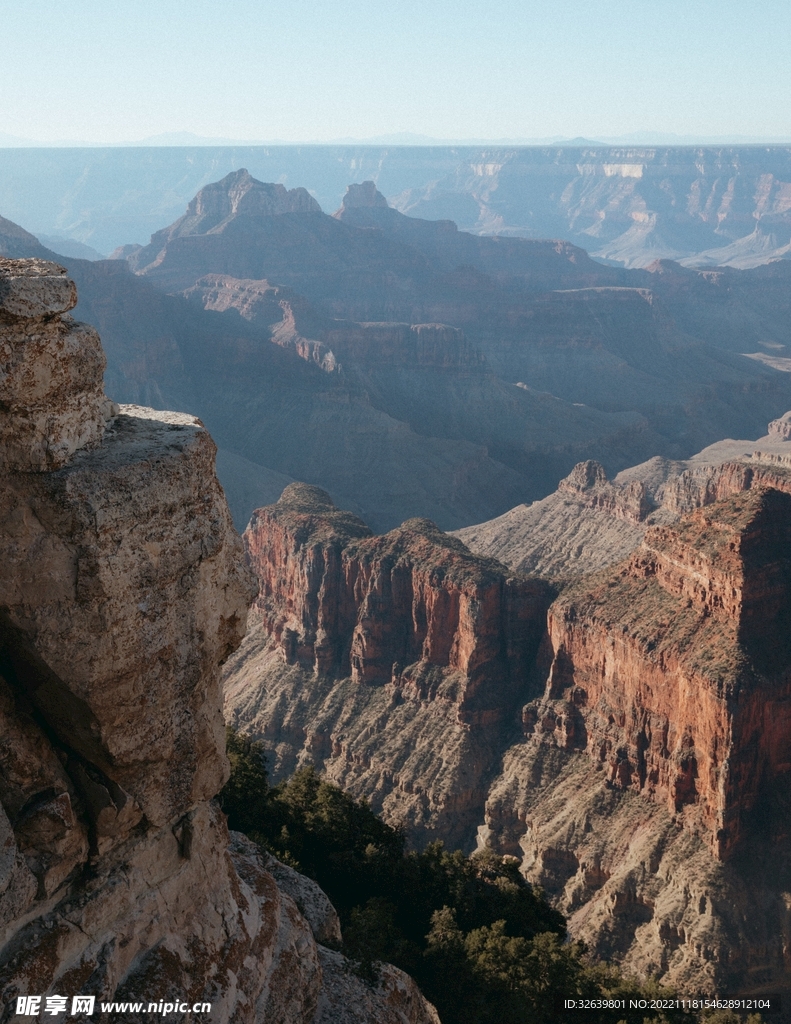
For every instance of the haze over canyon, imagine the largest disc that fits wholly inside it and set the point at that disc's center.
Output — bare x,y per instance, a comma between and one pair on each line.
507,438
705,205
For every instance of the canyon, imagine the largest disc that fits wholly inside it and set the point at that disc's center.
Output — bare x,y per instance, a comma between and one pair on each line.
123,590
589,674
412,369
619,720
710,205
504,360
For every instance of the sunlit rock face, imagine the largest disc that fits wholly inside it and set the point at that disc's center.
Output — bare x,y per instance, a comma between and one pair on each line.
628,740
412,604
123,589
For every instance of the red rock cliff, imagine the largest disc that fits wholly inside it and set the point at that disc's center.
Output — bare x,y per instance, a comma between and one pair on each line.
673,669
413,607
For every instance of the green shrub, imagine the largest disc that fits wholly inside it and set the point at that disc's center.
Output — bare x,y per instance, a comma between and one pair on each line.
484,946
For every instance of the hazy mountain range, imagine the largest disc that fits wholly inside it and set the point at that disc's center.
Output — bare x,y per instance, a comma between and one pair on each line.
414,369
627,204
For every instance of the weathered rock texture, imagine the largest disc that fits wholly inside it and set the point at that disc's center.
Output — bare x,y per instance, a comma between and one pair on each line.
51,389
374,653
591,522
650,796
673,670
122,590
413,607
649,791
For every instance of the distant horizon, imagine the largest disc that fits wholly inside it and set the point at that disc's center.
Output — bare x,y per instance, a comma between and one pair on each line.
190,139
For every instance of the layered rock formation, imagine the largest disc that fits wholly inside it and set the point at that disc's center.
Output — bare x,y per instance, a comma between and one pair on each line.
122,591
648,792
433,648
591,522
414,608
665,668
660,750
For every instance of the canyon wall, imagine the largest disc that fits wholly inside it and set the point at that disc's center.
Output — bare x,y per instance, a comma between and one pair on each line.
395,662
413,607
673,670
122,591
649,796
629,741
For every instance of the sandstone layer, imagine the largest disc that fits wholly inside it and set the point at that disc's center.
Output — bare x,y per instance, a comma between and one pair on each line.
633,752
413,607
433,646
123,589
650,795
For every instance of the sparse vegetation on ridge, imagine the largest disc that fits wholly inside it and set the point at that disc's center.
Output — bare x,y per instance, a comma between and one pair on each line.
484,946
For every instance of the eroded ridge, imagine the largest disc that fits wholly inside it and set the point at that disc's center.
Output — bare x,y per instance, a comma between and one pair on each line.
413,607
672,670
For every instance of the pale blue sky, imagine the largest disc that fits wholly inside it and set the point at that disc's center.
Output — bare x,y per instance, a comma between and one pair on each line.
113,71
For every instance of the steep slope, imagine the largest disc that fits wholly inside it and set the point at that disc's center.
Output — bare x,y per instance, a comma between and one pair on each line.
591,522
628,741
122,592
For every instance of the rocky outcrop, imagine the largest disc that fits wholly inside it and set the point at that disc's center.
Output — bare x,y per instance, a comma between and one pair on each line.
346,999
122,591
409,607
51,390
216,204
662,669
588,483
591,522
781,428
405,345
700,486
649,797
394,662
363,194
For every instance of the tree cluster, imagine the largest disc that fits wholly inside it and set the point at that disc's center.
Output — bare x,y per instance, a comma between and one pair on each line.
484,946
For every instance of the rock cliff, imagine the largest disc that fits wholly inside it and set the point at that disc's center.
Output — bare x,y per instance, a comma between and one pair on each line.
650,794
663,670
413,607
373,654
122,591
633,750
591,522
